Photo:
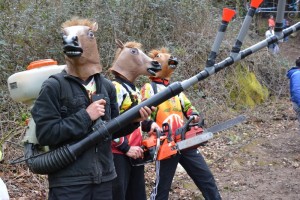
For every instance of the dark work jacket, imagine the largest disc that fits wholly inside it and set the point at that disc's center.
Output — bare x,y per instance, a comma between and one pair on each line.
58,125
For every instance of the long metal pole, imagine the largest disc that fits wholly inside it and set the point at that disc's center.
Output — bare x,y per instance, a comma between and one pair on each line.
245,27
248,51
228,14
279,17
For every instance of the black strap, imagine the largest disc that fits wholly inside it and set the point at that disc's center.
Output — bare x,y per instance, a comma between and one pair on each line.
66,90
134,102
154,87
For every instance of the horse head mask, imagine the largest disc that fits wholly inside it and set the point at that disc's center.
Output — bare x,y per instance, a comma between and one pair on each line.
80,48
167,61
130,62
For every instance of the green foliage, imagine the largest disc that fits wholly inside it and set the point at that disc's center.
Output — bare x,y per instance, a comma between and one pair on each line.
233,139
248,90
34,33
25,117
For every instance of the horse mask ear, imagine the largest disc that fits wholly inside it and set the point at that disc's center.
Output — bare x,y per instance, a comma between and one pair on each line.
153,53
119,44
95,26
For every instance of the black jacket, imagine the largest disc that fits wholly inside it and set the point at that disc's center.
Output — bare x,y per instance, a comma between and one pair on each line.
65,122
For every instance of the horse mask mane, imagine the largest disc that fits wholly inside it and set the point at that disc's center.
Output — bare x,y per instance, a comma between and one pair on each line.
167,61
80,48
130,61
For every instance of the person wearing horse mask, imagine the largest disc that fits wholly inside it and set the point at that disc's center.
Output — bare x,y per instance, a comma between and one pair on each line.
66,117
130,63
173,112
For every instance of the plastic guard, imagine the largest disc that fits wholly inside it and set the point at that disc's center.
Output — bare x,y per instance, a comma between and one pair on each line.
192,133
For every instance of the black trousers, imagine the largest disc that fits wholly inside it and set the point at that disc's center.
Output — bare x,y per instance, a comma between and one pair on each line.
130,181
101,191
194,164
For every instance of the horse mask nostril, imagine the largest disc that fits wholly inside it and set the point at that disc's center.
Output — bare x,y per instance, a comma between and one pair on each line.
155,63
75,38
173,61
155,67
70,40
72,46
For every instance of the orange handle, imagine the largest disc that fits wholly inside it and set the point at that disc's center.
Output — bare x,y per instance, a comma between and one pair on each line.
41,63
255,3
150,142
228,14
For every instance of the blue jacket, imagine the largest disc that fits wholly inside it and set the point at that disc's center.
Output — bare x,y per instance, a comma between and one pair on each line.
294,75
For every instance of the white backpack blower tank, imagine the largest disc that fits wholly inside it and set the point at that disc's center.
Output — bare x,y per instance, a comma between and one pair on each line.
25,86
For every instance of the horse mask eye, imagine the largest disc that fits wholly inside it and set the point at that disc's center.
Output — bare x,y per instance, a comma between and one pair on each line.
134,51
90,34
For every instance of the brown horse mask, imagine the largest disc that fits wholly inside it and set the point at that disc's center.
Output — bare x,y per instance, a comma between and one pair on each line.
167,61
80,48
131,62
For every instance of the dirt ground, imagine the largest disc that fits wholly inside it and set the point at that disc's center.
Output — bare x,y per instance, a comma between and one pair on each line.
258,159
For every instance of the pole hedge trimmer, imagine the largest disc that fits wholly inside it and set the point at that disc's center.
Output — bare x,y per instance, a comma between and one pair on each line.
58,159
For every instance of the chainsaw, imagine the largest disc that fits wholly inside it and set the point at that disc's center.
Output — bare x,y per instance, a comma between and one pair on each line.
162,146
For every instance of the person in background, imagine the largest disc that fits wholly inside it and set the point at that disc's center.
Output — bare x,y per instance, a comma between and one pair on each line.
294,75
273,48
271,21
